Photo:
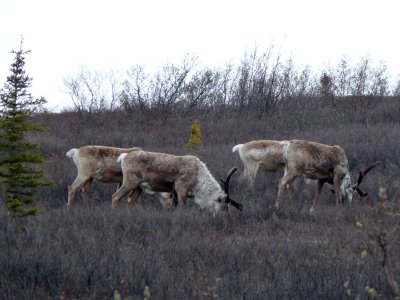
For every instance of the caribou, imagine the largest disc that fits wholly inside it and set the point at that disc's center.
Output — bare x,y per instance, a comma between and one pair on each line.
187,175
100,163
315,161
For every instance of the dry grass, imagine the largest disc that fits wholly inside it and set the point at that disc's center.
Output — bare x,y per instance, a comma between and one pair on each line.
95,253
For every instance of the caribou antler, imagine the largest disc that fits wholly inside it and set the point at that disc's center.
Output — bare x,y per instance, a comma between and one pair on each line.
228,178
361,177
225,184
363,173
360,193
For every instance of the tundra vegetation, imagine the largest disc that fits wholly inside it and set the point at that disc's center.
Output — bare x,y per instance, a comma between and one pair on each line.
145,251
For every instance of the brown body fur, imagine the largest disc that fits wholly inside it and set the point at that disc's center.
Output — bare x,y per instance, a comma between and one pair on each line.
162,172
319,162
266,155
95,163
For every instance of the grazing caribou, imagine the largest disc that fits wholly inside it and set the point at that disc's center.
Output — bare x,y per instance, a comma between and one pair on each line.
320,162
100,163
187,174
309,159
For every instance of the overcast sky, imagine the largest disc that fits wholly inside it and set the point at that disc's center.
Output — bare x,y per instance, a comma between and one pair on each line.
104,35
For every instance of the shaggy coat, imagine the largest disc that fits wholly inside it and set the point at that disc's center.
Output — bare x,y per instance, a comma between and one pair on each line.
266,155
161,172
99,163
316,161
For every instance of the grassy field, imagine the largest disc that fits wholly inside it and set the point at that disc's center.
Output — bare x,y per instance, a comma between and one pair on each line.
260,253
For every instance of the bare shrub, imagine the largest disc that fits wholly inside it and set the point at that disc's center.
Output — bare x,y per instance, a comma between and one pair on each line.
93,91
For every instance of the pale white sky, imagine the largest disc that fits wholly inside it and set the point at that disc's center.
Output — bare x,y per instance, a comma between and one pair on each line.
64,35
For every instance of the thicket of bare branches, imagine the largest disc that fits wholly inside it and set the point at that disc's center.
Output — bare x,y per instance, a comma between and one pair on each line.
257,86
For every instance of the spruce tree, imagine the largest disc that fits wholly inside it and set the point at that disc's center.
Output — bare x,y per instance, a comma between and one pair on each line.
19,175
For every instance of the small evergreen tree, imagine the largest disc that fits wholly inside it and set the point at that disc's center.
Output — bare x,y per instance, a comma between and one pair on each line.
18,174
326,86
194,143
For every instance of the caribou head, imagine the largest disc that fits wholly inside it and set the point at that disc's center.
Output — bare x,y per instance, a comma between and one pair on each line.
347,189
